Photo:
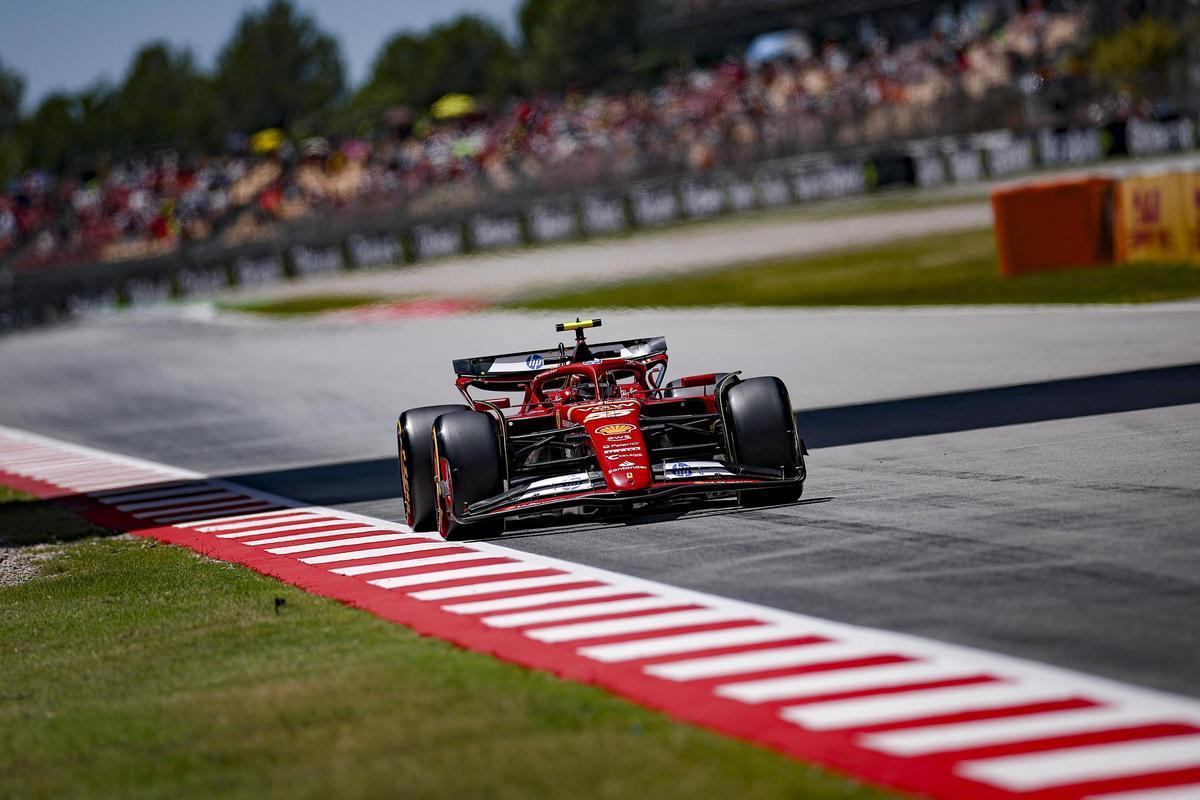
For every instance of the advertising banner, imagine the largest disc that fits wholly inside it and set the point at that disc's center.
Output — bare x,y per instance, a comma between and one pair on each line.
773,189
551,223
201,280
257,270
701,199
84,303
433,241
965,165
1008,156
603,214
1152,216
1191,200
1148,137
739,194
147,291
488,231
315,260
930,169
1069,147
654,206
373,250
829,180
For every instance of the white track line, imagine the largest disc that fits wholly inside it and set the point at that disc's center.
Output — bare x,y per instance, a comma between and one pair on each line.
268,524
177,500
412,563
241,505
495,587
201,524
802,655
310,534
862,711
578,611
190,508
853,679
535,599
1026,773
310,546
677,644
243,530
416,545
454,574
1190,792
988,732
613,627
151,494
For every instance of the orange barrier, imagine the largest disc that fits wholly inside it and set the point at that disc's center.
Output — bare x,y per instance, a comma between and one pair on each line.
1156,219
1053,225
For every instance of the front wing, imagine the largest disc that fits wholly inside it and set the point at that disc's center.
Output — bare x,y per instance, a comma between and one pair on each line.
672,479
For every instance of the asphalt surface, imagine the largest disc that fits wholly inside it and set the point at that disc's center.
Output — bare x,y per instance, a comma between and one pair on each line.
1022,479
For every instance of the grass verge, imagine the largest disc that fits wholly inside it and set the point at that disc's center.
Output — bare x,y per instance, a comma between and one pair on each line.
302,306
135,669
944,269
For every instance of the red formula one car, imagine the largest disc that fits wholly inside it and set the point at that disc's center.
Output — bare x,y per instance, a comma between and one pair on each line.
589,430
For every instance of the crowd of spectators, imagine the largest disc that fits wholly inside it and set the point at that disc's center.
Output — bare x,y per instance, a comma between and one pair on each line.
807,96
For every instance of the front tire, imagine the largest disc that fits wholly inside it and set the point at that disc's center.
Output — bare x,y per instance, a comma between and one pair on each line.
762,432
414,448
468,467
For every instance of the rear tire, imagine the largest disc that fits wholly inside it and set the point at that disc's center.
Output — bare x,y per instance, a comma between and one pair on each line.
762,431
469,467
414,446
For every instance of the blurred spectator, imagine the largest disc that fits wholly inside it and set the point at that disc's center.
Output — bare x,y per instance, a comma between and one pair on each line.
785,97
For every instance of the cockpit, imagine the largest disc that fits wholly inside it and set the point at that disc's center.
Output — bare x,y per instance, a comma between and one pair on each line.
585,382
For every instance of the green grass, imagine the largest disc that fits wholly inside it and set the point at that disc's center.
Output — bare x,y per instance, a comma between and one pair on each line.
134,669
303,306
945,269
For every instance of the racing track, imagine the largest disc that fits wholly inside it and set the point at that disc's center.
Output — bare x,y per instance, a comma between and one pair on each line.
1022,480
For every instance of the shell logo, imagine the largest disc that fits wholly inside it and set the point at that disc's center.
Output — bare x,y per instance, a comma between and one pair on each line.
614,428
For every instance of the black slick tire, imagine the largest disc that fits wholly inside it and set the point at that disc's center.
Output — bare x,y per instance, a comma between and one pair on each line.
414,446
762,433
468,467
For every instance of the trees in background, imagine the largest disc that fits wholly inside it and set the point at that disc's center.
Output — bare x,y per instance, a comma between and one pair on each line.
576,42
12,92
1134,57
468,54
166,100
280,70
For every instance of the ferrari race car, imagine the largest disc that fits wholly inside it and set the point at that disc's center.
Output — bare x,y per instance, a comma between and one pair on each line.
593,430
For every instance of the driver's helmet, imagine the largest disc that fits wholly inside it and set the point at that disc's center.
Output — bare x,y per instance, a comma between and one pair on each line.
586,390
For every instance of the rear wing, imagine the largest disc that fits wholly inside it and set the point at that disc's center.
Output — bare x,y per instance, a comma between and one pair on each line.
517,367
